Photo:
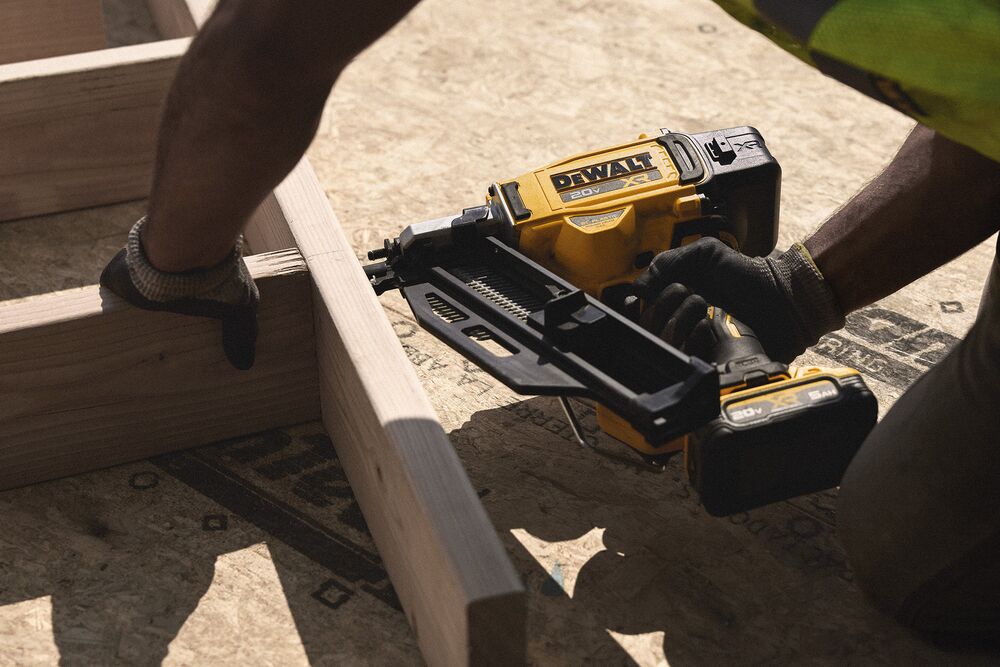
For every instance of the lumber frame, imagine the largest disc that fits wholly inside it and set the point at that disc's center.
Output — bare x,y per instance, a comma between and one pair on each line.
44,28
104,372
87,381
78,131
462,596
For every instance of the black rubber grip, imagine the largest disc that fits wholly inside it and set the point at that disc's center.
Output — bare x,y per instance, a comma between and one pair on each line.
513,197
684,156
730,346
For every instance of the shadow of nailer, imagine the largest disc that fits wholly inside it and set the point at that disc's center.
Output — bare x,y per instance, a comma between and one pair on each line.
621,564
627,551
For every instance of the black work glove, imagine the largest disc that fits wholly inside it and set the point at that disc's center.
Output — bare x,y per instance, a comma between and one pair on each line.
678,316
225,292
783,298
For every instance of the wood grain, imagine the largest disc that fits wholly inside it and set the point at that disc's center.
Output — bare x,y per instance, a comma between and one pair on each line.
43,28
461,594
79,131
267,229
87,381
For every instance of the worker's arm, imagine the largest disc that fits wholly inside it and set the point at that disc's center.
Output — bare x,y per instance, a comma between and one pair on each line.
242,110
935,200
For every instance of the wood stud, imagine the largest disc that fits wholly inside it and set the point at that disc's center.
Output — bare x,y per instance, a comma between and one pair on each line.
87,381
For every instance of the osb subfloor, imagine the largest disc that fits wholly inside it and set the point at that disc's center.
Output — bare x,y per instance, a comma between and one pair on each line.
253,551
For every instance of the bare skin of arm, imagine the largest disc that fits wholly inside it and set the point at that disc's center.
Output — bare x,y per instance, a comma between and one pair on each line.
934,201
243,108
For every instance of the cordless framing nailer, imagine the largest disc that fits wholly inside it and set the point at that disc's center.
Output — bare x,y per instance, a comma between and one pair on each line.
535,287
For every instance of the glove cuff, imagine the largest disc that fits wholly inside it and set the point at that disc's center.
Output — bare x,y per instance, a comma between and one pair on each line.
812,297
226,282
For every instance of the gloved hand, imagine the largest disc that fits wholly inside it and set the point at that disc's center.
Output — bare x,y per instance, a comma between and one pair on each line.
225,292
678,316
783,298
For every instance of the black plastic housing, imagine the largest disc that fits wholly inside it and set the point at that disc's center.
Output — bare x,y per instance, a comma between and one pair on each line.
740,179
550,338
736,469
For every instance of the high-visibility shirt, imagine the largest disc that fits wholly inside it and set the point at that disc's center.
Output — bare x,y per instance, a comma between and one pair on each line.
937,61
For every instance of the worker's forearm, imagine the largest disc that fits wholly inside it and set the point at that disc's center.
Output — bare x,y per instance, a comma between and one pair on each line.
935,200
243,108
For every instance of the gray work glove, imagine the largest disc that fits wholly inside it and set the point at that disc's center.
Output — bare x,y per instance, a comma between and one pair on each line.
783,298
225,292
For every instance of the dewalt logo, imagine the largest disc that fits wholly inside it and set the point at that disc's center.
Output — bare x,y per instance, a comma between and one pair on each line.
603,171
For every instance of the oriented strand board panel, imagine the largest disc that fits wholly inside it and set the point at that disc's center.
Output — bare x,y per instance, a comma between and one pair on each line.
79,131
87,381
31,29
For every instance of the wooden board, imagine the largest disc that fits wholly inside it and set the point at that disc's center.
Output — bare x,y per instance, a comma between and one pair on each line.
43,28
87,381
79,131
462,597
460,592
267,229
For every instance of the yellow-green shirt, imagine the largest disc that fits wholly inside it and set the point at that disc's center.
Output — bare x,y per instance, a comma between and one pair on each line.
937,61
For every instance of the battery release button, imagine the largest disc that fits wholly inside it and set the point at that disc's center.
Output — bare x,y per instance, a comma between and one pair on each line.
720,150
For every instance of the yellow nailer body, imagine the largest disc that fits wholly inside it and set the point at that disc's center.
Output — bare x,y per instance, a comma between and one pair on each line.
544,271
598,219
